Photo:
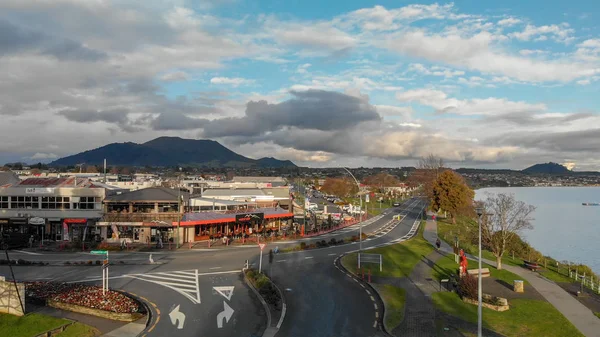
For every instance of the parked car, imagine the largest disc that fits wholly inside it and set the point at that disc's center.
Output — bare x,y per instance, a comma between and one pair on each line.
14,240
396,204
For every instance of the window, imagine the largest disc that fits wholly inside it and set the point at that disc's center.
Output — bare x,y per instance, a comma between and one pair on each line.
87,203
55,203
22,202
3,202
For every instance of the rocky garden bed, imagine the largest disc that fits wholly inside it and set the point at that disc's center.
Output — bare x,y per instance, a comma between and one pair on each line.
82,295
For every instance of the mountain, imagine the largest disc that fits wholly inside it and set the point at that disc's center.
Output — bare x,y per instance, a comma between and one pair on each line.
547,168
168,151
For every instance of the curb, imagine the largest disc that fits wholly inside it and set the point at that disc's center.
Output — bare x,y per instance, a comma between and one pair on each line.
144,302
380,321
262,300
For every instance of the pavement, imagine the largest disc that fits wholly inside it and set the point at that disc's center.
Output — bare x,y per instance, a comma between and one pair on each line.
578,314
200,292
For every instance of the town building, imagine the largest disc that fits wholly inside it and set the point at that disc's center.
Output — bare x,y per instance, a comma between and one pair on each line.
61,209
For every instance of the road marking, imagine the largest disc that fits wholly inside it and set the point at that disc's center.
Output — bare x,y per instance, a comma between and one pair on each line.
368,292
177,317
226,291
308,257
25,252
372,298
332,254
375,324
375,304
376,314
224,315
280,260
213,268
180,281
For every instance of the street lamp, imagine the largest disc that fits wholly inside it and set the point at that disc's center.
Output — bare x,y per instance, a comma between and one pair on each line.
361,209
480,212
179,215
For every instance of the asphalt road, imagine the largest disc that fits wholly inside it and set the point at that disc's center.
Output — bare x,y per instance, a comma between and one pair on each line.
322,301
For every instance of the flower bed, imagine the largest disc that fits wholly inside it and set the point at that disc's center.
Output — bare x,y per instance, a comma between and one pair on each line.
82,295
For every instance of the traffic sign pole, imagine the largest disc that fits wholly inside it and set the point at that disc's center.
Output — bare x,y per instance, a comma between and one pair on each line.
262,246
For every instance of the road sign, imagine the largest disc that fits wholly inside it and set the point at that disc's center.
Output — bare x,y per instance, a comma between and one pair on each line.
99,252
262,246
104,266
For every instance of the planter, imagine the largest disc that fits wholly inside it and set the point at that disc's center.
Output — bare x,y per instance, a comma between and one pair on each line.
123,317
501,306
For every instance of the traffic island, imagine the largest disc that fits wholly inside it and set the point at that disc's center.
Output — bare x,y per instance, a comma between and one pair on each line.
86,299
270,296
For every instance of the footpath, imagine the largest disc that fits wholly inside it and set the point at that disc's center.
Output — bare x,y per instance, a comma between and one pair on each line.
578,314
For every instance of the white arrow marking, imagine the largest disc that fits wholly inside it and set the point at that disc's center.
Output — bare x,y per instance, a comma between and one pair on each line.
227,292
224,315
177,317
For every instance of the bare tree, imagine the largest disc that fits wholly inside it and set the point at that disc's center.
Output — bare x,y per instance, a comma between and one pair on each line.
432,163
503,219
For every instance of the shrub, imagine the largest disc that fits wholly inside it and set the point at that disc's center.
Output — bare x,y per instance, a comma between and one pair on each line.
332,241
68,263
3,262
303,245
467,286
251,274
323,243
90,262
98,262
262,281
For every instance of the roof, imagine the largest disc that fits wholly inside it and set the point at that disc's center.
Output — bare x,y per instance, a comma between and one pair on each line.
220,201
149,194
8,178
203,218
277,192
56,182
241,179
224,192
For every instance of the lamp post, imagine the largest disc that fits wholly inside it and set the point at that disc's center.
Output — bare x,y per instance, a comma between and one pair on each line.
480,211
361,210
178,207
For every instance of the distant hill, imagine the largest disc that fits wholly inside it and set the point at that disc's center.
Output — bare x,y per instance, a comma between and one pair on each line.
168,151
547,168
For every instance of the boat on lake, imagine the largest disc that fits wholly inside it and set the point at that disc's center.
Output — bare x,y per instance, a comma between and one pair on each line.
591,204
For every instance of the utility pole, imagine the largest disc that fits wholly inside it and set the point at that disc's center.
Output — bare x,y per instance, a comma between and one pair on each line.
179,215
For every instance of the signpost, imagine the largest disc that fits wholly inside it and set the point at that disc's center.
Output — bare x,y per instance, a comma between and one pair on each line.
104,269
262,246
371,258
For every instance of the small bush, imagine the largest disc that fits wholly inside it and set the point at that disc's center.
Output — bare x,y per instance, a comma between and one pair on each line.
251,274
323,243
467,286
98,262
90,262
68,263
303,245
332,242
3,262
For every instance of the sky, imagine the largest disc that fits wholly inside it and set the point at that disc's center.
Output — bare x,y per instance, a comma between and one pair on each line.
487,84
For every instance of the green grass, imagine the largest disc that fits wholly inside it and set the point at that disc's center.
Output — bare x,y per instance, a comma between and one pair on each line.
398,260
28,325
393,299
445,266
597,314
524,318
79,330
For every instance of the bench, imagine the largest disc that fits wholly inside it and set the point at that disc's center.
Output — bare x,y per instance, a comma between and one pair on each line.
485,272
531,265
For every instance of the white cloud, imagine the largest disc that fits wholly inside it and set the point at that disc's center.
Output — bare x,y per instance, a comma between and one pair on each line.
509,22
316,38
435,70
40,155
440,101
478,53
560,33
175,76
589,50
232,81
303,68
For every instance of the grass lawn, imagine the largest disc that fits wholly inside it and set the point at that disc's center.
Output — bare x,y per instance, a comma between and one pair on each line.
446,266
398,260
28,325
79,330
393,299
524,318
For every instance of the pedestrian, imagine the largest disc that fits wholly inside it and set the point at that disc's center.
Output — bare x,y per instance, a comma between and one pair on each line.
31,241
438,243
160,243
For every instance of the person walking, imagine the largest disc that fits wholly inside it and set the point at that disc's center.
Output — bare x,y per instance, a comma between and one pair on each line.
438,243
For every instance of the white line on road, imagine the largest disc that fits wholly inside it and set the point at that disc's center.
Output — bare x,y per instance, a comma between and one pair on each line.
332,254
376,314
24,252
372,298
375,324
308,257
280,260
375,304
213,268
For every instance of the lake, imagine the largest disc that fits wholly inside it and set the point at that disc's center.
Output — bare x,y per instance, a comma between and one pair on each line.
563,228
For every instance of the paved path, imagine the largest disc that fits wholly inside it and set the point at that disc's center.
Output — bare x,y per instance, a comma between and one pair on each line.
578,314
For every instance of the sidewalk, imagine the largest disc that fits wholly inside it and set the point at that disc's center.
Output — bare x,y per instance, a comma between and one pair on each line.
578,314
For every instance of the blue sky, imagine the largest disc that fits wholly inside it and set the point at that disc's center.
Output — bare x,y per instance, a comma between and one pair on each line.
354,83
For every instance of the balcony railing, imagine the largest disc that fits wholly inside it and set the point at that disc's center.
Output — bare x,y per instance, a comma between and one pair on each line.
140,217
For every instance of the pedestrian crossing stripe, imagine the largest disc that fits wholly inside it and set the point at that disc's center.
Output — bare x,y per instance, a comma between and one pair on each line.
184,282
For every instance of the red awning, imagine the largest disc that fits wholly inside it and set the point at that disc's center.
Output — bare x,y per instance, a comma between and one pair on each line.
226,220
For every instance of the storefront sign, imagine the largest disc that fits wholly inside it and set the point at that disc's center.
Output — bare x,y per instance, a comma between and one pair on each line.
39,190
18,221
3,221
247,217
37,221
82,221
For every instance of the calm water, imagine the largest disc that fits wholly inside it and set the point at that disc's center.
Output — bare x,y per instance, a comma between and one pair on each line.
563,228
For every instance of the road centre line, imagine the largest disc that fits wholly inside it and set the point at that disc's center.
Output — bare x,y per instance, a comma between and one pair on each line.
213,268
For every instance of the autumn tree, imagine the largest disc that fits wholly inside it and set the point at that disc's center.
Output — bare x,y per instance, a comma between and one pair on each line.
451,193
381,180
341,187
428,170
503,218
91,169
35,172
